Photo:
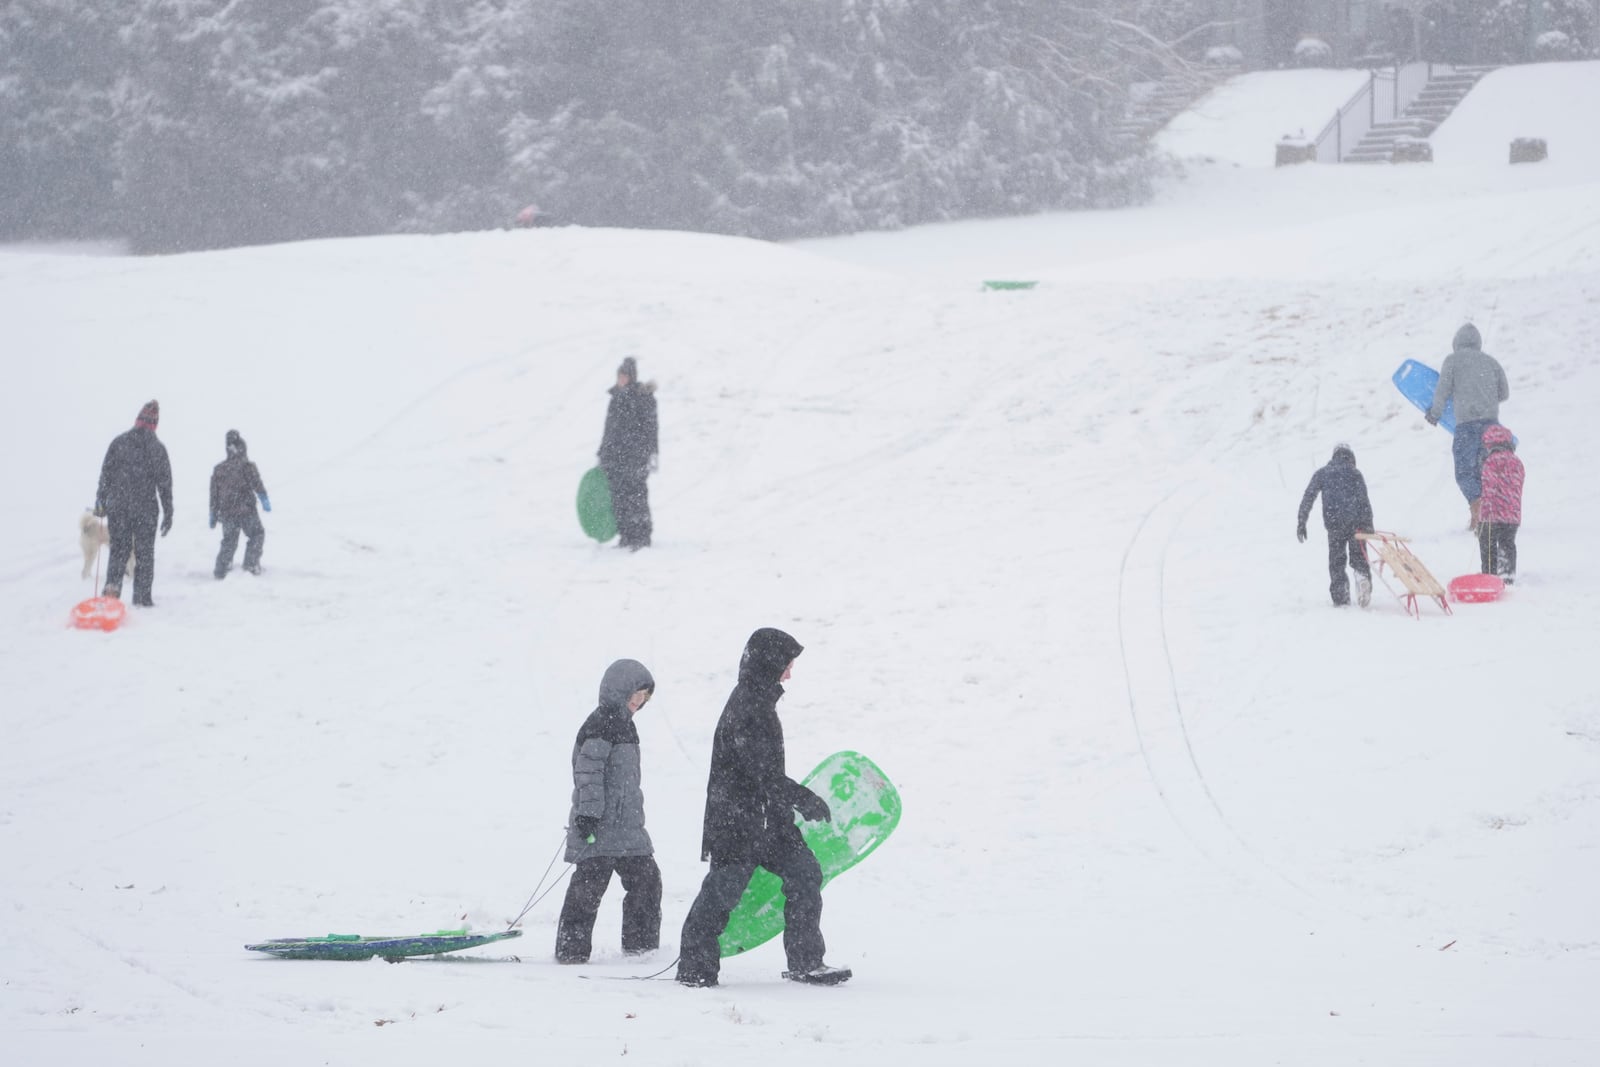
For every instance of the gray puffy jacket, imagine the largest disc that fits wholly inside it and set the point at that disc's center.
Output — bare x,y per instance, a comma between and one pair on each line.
1473,379
606,771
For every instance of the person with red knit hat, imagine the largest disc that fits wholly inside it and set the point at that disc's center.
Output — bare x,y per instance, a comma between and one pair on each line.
135,496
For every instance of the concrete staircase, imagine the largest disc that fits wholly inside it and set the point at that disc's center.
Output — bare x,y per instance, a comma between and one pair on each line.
1420,118
1151,105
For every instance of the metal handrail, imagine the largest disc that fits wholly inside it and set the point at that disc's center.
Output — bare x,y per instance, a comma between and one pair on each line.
1337,128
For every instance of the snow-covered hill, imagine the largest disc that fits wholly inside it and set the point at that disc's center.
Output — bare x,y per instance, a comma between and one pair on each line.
1164,805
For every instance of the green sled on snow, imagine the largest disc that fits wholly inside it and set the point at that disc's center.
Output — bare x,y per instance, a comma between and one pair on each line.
866,809
594,506
356,947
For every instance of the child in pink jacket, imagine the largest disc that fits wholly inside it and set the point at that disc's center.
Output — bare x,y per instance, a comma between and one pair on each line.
1500,512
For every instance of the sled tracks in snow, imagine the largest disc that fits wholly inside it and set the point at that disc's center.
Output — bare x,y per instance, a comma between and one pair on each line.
1155,705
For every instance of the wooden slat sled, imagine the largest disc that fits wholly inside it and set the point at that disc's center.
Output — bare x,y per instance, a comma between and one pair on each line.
1393,553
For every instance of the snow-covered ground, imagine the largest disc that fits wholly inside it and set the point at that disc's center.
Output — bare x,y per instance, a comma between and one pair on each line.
1164,804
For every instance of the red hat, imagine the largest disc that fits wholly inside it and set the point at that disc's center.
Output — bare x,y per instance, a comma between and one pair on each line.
149,416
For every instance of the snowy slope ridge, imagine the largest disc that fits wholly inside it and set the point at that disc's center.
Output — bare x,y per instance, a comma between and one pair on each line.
1163,804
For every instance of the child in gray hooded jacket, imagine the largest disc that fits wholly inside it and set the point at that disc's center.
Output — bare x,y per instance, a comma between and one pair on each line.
605,832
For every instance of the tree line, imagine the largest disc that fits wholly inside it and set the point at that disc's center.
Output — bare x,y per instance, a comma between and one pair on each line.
186,124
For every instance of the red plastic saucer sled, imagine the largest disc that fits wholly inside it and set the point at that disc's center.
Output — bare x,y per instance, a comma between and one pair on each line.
99,613
1476,588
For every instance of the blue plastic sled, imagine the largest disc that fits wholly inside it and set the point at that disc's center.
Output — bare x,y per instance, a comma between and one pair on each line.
1416,382
356,947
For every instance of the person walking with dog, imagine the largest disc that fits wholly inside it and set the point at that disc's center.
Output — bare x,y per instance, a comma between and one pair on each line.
1477,384
235,488
135,497
629,451
749,821
605,830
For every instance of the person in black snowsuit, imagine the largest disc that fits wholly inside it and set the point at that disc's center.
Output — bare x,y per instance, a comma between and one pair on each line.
749,821
235,488
628,453
1346,510
135,494
605,831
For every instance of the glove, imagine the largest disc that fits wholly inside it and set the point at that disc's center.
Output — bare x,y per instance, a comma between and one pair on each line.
1433,420
213,520
1300,532
813,808
99,510
266,504
586,825
166,524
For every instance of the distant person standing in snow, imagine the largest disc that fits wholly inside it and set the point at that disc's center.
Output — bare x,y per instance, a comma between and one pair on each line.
605,831
1346,510
750,806
135,494
1501,512
628,453
1476,382
235,488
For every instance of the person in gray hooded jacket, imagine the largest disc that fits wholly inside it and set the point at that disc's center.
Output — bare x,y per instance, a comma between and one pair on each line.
605,832
1476,382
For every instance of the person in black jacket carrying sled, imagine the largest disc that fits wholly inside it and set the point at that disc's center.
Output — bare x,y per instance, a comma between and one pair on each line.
1346,511
235,488
750,806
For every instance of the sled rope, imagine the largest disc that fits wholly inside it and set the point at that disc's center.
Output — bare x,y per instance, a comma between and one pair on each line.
537,895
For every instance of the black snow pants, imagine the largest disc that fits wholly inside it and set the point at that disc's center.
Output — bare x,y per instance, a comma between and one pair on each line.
1497,548
641,906
1342,544
133,532
255,541
785,854
630,503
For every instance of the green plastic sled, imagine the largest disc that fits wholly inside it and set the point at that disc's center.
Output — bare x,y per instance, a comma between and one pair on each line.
866,809
356,947
594,506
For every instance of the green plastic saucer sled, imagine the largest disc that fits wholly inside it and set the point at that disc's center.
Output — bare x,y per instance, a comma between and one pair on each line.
866,809
594,506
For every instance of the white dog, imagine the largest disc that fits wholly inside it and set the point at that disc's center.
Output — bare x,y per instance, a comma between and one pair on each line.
92,533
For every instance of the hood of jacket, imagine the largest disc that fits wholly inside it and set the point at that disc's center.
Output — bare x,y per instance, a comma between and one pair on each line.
1497,436
621,680
766,655
1343,456
1468,337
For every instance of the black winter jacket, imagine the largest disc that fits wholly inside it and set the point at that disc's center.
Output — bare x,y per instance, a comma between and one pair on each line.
1345,505
235,484
749,793
630,436
135,475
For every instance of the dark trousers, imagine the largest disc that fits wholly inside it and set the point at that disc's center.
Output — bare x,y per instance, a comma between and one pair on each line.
1497,548
132,533
630,503
1342,544
784,854
641,906
1466,448
255,541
